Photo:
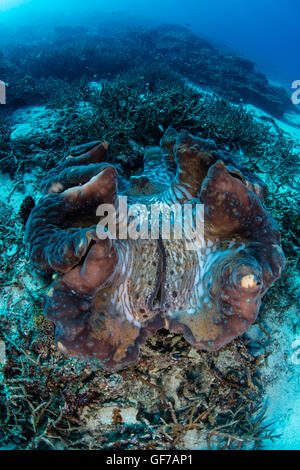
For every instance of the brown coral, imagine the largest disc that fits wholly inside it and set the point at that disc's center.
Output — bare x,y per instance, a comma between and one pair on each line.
112,294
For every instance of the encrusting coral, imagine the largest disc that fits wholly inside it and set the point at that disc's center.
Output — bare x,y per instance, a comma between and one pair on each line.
110,295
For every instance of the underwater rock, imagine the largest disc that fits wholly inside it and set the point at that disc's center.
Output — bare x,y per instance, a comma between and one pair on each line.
110,295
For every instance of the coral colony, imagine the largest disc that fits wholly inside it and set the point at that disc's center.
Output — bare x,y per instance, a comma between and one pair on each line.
111,295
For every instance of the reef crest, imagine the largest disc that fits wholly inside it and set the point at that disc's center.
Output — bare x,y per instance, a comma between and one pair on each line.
111,295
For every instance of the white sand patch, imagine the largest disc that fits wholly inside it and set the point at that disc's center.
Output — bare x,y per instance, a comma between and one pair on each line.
281,376
95,86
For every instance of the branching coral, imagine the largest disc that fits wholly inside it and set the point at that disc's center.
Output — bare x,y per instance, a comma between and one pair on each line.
112,294
4,135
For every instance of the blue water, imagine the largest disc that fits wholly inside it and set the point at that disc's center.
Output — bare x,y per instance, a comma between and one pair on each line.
266,31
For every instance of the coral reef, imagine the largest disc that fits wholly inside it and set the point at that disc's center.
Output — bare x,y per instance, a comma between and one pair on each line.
172,397
113,294
175,396
104,55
